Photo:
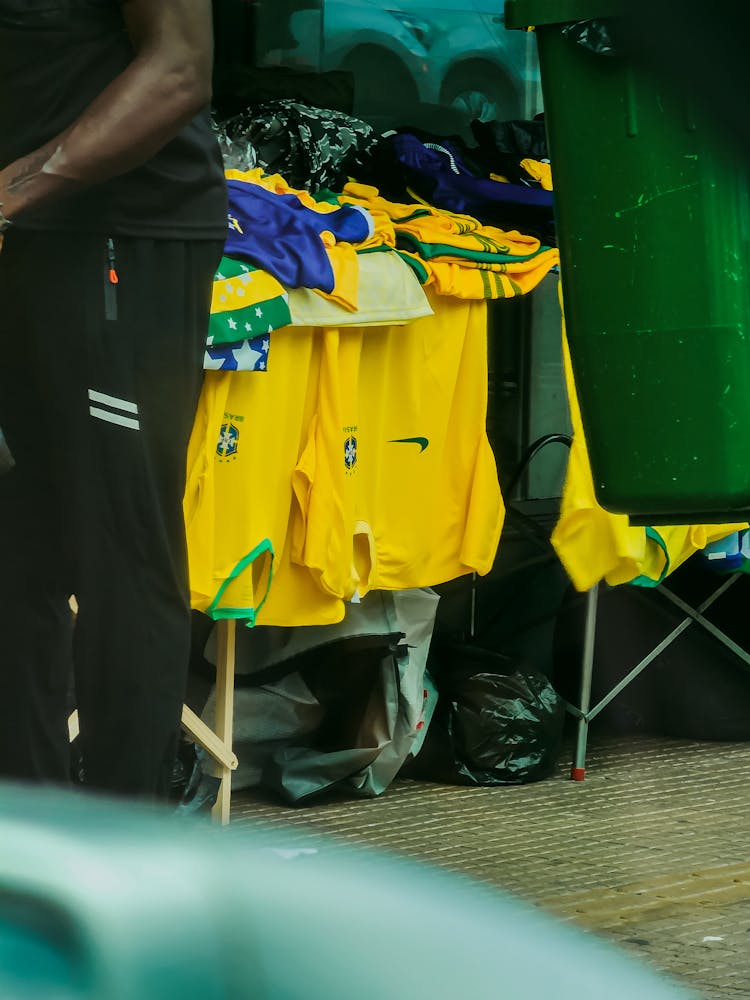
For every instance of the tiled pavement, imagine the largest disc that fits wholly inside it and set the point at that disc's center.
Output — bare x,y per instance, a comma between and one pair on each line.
652,850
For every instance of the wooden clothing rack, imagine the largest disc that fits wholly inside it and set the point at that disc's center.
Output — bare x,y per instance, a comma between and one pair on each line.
217,742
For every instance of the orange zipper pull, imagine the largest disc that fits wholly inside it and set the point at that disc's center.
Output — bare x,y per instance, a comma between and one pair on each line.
113,277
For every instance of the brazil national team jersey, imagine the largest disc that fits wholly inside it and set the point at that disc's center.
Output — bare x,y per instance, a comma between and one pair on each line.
245,443
358,461
593,544
397,485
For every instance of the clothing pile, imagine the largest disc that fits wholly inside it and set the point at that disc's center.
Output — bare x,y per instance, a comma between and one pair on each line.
339,460
282,239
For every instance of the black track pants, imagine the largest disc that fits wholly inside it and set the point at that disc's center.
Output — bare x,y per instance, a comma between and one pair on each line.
101,347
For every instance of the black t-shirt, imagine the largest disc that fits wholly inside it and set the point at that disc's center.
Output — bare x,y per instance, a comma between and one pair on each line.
56,56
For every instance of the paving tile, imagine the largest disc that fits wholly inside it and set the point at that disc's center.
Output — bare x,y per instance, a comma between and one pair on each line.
650,851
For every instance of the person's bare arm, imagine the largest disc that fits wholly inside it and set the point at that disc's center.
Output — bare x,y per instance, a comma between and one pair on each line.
167,83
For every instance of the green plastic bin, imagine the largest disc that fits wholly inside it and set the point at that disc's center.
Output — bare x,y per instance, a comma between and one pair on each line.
653,224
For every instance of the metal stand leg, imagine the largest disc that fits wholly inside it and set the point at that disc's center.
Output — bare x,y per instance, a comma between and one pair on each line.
473,608
584,712
578,770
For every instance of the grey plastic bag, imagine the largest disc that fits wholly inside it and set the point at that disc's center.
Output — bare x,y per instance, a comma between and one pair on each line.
340,707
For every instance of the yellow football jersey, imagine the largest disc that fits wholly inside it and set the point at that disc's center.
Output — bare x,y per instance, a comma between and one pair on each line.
397,485
295,598
244,447
593,544
323,480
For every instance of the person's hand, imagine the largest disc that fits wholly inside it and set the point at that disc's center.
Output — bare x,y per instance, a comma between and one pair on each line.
4,223
167,83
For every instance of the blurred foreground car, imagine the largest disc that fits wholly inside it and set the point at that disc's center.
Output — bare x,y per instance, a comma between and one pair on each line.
108,901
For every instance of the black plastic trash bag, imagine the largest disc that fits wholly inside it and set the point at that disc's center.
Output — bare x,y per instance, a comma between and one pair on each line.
495,723
517,138
199,794
596,36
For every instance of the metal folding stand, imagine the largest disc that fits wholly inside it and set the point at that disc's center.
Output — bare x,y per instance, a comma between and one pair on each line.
584,712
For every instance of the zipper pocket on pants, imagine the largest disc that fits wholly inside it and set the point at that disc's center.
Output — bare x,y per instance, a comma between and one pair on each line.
111,281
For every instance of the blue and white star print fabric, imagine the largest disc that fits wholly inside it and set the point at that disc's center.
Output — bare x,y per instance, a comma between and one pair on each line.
244,356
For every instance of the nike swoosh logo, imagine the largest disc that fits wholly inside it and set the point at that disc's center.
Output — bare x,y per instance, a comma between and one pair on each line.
422,442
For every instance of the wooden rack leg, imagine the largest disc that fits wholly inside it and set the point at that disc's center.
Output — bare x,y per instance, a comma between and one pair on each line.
225,660
216,742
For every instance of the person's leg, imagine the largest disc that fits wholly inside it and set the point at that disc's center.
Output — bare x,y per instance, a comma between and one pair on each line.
132,637
35,633
35,620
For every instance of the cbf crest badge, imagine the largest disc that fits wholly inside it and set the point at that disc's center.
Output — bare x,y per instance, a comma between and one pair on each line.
350,453
229,440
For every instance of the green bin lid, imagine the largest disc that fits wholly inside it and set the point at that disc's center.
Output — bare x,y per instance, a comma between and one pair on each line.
528,13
